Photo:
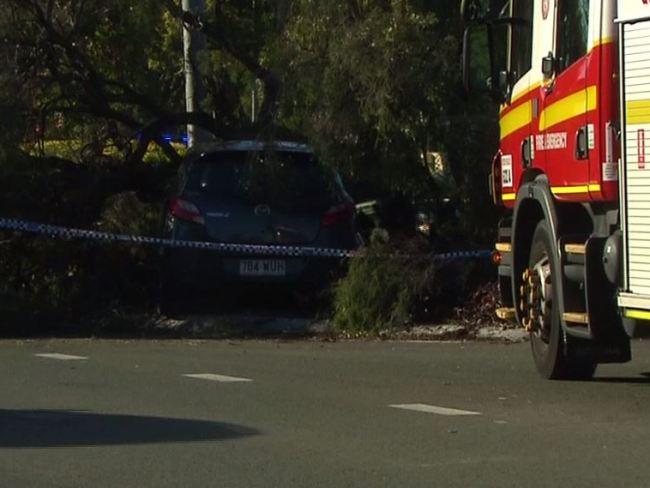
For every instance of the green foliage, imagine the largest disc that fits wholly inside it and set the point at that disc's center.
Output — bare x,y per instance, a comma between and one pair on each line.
374,84
94,71
68,281
366,86
125,213
11,125
76,151
382,288
397,284
155,155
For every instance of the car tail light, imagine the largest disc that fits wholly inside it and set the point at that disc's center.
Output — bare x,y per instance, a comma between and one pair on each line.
338,214
184,210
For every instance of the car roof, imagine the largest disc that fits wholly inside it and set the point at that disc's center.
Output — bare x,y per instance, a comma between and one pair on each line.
204,150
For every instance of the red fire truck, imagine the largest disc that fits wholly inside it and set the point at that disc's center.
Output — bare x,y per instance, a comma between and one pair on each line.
572,172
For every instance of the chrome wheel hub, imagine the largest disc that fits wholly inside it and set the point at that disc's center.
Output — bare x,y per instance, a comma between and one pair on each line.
537,299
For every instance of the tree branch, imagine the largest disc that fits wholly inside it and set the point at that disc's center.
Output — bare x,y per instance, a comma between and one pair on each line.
272,83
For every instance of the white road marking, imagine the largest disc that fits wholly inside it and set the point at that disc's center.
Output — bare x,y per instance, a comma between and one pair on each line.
61,357
421,407
218,378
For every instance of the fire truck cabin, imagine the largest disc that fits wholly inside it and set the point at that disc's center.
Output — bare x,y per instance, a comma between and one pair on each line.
572,173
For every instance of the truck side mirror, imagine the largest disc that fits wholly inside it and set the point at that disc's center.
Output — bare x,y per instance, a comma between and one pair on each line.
472,10
477,70
504,84
485,60
548,66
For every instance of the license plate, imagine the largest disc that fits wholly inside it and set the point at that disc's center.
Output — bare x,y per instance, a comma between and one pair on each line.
262,267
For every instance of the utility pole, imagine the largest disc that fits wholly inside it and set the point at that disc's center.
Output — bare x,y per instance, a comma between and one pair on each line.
254,99
193,43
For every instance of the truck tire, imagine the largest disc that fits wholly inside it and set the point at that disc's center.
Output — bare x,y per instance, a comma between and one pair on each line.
554,357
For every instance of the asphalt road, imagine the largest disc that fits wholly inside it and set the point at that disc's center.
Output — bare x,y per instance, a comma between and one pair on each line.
311,414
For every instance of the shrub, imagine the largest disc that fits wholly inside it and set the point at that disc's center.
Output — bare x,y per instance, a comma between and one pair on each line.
126,213
128,273
397,284
71,281
382,287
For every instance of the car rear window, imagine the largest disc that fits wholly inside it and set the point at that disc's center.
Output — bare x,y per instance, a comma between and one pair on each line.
276,178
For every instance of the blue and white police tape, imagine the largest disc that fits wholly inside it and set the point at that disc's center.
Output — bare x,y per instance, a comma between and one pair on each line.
60,232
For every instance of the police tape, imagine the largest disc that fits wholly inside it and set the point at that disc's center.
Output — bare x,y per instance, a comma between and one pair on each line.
54,231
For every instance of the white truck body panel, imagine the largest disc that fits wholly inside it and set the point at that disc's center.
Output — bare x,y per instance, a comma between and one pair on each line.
634,32
633,10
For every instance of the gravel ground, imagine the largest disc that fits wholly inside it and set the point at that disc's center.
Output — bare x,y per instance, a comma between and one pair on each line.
272,325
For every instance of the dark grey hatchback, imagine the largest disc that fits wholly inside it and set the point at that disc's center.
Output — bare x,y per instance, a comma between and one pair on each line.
249,192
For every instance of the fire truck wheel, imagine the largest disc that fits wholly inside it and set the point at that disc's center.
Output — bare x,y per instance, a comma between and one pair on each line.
540,302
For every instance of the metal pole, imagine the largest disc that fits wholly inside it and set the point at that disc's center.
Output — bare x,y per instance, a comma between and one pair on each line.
254,103
192,44
254,90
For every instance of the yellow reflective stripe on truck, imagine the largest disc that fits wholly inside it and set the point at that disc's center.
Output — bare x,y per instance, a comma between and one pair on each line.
579,103
637,314
638,112
516,119
572,190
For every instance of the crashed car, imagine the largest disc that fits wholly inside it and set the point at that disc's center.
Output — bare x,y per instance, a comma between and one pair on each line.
255,193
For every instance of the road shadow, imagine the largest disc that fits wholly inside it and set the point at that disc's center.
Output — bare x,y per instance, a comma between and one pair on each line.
64,428
643,379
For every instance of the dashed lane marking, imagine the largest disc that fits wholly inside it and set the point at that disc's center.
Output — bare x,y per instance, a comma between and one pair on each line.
218,378
61,357
423,408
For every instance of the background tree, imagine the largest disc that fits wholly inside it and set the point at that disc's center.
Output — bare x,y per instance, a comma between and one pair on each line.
376,86
373,83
